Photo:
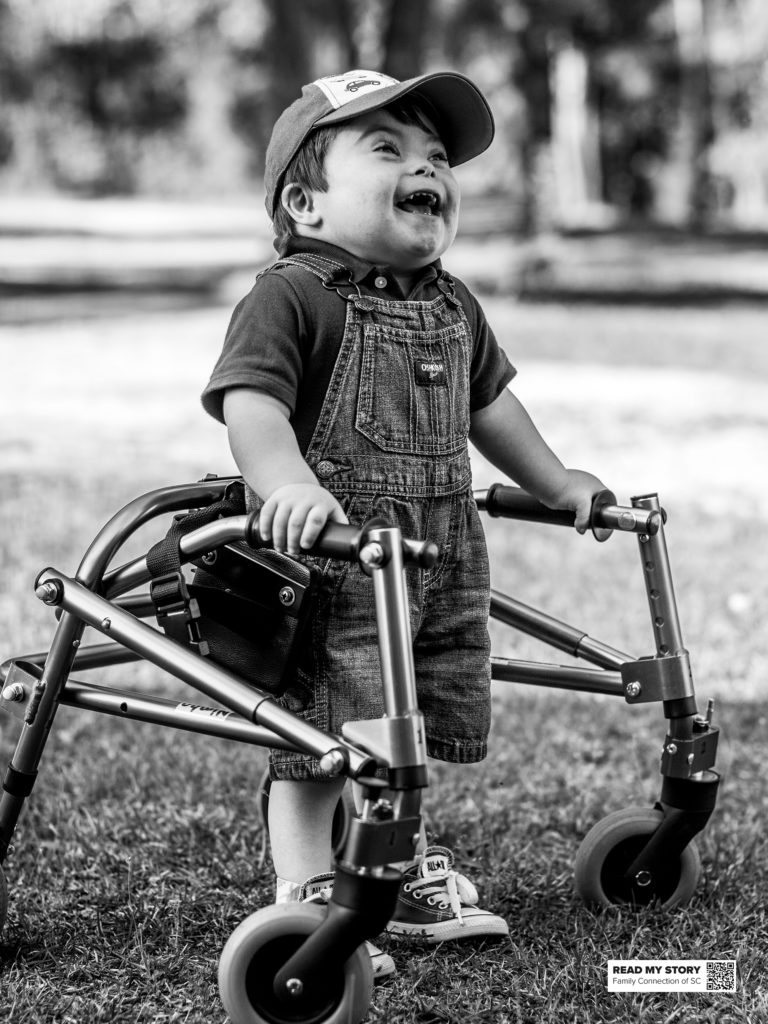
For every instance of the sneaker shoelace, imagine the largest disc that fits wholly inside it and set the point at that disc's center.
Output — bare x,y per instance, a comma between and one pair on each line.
445,889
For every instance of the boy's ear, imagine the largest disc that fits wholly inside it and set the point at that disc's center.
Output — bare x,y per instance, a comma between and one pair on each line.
299,203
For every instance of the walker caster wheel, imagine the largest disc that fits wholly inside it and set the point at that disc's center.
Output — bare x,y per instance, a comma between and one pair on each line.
258,948
610,847
345,810
3,900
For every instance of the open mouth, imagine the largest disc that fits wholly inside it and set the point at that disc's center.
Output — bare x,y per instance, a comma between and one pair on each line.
425,203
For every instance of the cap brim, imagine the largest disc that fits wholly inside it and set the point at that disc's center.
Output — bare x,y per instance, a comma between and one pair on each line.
466,123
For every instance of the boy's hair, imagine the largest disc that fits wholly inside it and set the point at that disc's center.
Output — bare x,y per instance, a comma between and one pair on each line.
307,168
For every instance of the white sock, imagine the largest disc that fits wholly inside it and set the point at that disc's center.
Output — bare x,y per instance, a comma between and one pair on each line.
285,891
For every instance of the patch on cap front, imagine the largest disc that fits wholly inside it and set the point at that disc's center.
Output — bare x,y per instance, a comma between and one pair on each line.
341,89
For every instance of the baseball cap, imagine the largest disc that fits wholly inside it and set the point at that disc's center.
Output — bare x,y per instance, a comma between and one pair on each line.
465,120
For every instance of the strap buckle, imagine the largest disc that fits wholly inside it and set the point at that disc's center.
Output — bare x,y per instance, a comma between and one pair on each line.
177,611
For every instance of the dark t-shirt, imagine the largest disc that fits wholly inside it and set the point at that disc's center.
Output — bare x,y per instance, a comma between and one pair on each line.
284,337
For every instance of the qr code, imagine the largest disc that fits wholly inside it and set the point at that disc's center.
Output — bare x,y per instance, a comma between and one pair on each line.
721,975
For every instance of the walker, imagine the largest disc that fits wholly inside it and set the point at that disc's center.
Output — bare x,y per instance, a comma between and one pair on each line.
303,963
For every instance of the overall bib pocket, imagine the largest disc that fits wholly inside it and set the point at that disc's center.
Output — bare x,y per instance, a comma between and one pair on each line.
413,397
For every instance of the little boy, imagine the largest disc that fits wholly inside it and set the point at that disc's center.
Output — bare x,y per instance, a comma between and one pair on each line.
352,377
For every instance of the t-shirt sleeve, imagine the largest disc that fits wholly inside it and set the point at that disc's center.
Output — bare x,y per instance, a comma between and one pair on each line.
491,370
263,345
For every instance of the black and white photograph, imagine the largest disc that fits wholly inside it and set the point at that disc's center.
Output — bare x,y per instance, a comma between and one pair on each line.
383,511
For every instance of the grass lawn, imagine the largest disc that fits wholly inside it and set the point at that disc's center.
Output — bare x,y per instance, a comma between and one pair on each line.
140,849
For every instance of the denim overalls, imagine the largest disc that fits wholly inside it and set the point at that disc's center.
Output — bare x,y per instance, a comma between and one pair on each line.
391,440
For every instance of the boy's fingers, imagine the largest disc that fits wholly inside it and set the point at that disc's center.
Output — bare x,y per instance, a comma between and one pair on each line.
280,527
292,535
301,523
583,515
313,524
266,517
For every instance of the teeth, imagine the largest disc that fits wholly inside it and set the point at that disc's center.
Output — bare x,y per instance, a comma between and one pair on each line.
421,200
423,197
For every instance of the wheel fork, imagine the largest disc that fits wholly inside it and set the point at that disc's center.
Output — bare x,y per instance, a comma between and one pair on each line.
687,805
359,908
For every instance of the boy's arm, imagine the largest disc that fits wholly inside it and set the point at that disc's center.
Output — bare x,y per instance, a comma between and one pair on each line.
263,443
507,436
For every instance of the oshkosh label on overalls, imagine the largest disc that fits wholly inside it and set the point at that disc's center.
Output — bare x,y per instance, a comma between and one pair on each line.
429,372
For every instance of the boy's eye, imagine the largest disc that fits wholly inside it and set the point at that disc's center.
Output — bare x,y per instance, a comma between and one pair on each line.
386,146
440,156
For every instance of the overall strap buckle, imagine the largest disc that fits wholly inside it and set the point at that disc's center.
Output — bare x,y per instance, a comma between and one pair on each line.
333,275
447,286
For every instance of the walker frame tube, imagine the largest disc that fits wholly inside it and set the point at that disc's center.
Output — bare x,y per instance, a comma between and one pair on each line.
252,716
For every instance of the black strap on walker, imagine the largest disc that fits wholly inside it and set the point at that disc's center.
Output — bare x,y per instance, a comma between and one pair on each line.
177,612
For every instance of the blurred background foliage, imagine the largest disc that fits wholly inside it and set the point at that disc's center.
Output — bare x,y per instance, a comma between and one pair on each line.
651,111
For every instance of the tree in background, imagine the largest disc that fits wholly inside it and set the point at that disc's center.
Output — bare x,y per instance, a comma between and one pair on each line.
554,50
686,192
636,107
103,87
737,159
16,55
626,103
128,90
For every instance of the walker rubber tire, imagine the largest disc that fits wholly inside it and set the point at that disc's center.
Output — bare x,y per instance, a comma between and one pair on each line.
3,900
609,848
345,810
258,948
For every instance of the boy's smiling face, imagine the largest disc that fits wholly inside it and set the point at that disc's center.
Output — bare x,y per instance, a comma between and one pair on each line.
391,198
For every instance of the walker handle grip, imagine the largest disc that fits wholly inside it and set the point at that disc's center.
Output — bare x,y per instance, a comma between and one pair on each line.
515,503
342,541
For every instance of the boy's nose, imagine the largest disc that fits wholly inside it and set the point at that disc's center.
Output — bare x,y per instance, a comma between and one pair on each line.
424,167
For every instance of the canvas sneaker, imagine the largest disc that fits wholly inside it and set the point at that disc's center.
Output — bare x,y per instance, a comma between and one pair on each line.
437,903
318,889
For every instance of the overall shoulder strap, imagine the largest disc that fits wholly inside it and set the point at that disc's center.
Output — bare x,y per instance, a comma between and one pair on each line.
327,269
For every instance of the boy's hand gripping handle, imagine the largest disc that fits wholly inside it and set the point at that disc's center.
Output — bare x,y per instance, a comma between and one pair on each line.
515,503
606,515
340,540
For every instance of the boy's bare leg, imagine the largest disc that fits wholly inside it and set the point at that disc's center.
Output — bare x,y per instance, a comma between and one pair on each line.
300,822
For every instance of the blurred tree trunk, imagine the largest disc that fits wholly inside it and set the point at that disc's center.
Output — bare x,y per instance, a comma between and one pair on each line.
288,50
294,45
681,198
340,18
404,35
575,138
532,78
